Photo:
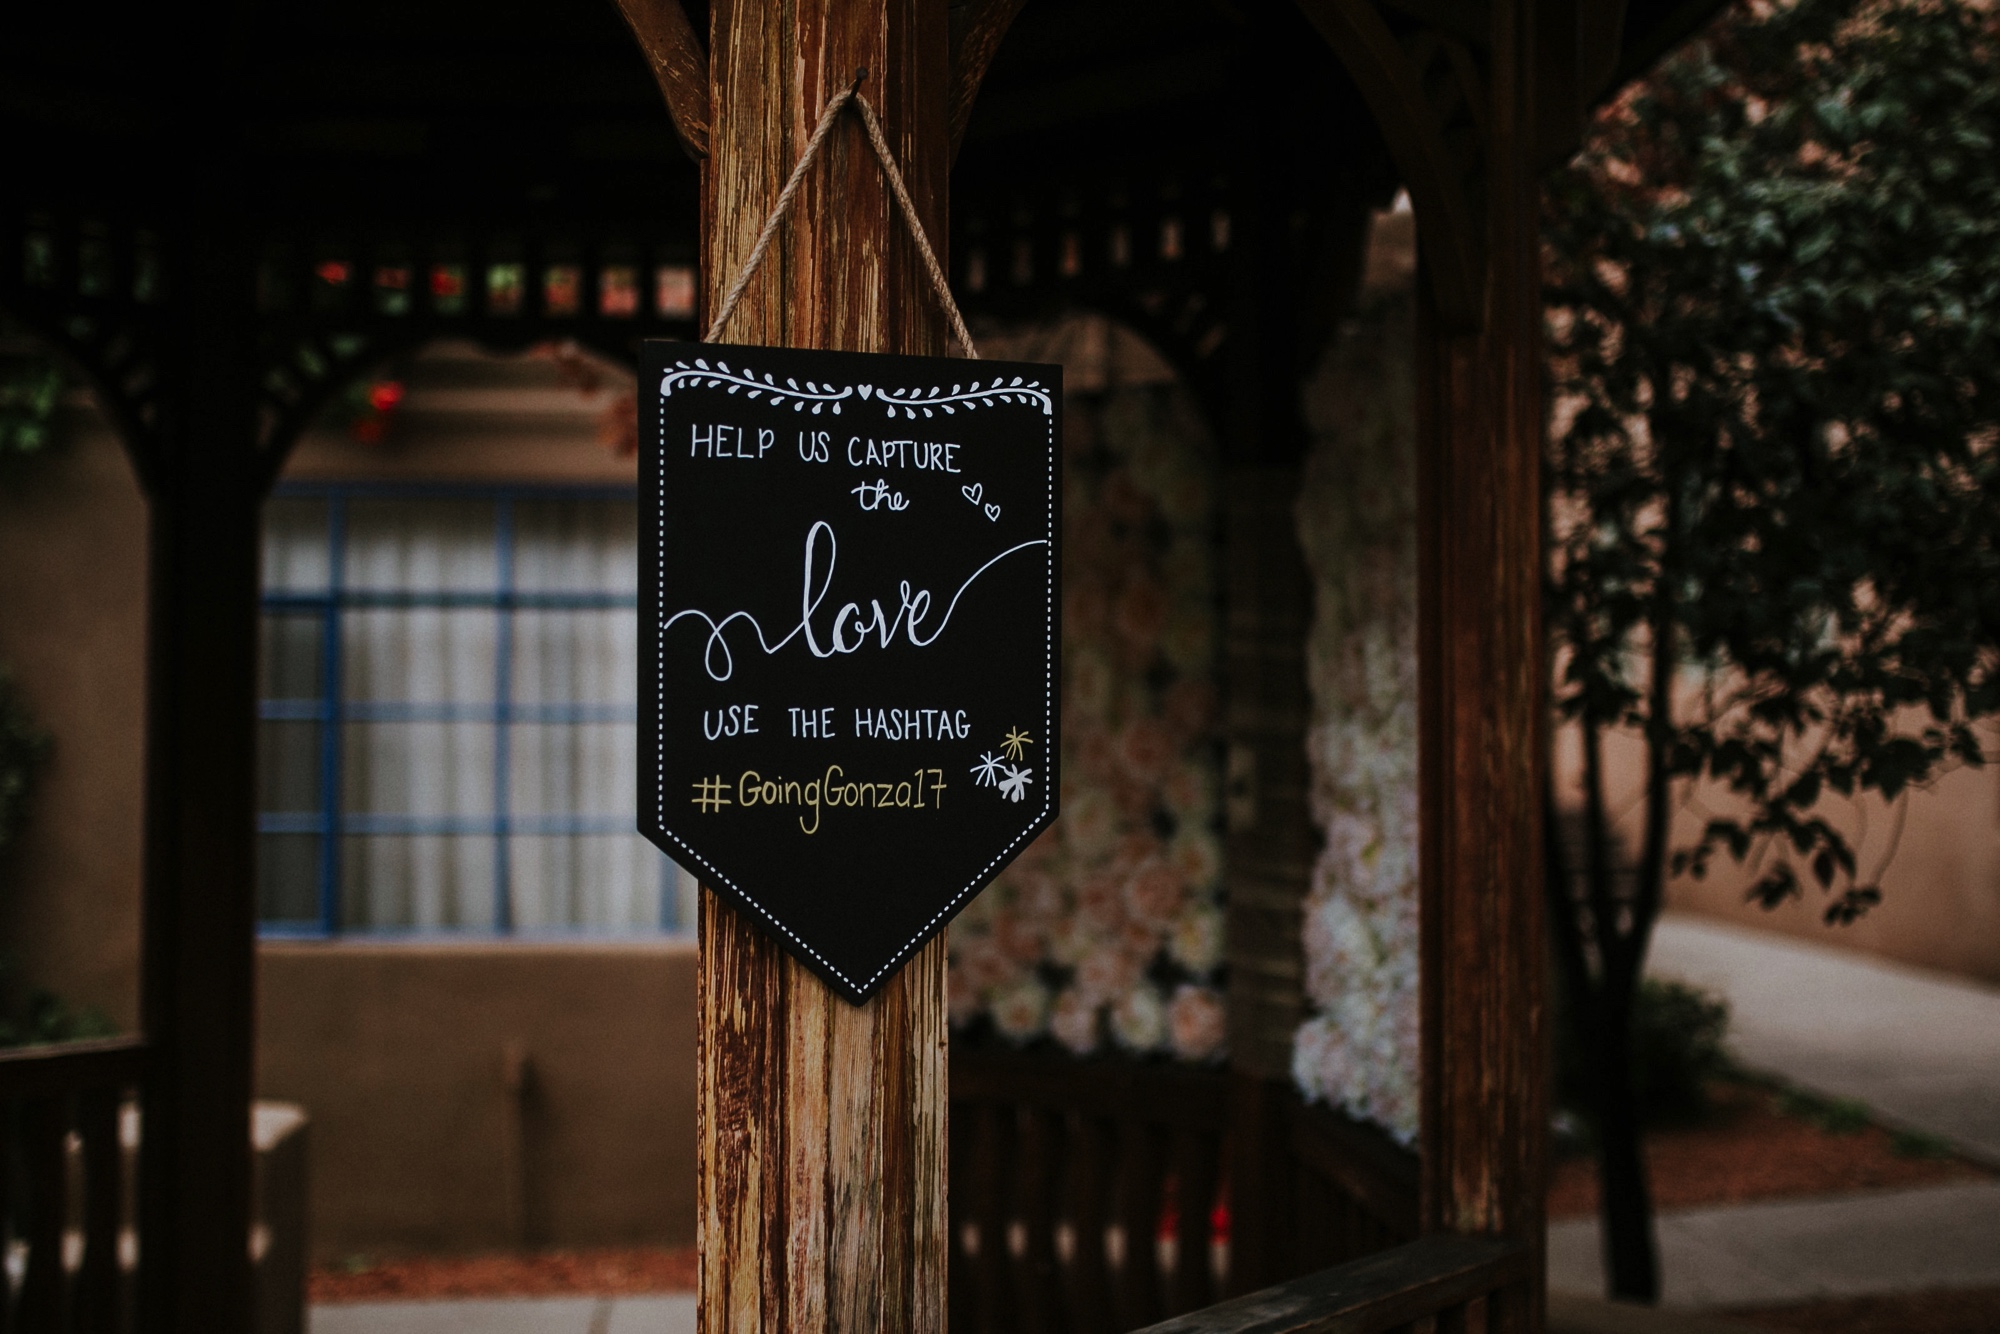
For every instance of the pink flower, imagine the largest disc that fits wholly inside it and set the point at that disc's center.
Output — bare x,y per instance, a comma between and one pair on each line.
1189,707
1017,938
980,960
1146,750
1189,792
1097,754
1085,605
1107,972
1196,1023
1073,1022
1140,614
1100,902
1154,893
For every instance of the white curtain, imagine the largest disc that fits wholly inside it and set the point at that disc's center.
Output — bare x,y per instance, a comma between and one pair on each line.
428,767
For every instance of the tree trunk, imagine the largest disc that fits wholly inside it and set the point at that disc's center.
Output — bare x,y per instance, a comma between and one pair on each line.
822,1124
1631,1261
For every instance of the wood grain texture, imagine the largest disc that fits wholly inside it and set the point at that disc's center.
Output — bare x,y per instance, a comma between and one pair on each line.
822,1125
679,65
1390,1291
822,1142
1481,734
977,29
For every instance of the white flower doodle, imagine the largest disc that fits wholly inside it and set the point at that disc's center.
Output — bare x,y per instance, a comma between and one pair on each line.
1015,785
986,773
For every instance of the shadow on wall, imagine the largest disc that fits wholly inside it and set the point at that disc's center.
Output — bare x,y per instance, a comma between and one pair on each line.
1940,903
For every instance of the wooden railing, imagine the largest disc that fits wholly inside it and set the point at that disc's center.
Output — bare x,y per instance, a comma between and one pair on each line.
1094,1196
1436,1285
65,1189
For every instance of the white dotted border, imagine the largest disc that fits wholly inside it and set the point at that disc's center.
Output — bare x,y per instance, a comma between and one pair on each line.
1048,734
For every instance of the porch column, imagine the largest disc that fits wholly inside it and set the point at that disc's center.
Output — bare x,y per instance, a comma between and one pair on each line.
199,906
1481,680
822,1125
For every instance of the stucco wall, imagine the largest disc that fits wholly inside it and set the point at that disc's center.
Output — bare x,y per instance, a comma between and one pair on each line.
1940,878
72,628
1940,903
422,1140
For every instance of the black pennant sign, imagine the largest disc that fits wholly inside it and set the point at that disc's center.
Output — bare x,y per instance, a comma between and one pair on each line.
850,604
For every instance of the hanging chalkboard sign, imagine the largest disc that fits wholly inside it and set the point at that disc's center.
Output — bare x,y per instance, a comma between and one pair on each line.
850,613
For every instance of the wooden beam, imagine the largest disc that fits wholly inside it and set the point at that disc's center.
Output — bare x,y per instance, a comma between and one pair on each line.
822,1124
977,29
198,929
1390,1290
1480,707
1463,19
679,65
1448,230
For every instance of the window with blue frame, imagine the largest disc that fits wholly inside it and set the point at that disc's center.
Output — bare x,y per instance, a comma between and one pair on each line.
448,729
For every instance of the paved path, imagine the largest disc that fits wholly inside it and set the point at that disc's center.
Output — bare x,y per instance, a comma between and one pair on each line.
1786,1251
1922,1049
516,1315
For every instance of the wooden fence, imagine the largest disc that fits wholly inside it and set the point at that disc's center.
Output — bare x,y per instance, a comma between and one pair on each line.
65,1186
1094,1196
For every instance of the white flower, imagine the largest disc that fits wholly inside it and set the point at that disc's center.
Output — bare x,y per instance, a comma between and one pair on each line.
1139,1021
1197,855
1021,1011
984,773
1015,785
1196,941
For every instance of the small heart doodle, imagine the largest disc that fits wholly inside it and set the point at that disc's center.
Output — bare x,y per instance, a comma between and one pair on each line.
864,389
973,492
993,513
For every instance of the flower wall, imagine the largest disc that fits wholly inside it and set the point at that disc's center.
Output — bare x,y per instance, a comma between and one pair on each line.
1107,933
1357,522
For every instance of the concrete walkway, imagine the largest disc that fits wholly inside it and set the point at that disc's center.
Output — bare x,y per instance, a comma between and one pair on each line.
673,1314
1921,1049
1784,1251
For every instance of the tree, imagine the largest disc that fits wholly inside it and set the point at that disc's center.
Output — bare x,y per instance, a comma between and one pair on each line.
1774,471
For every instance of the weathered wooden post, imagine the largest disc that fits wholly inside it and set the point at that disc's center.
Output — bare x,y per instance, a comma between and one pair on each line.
822,1124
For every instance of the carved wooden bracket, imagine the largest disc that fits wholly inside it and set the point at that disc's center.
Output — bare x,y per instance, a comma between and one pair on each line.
1429,99
680,65
977,27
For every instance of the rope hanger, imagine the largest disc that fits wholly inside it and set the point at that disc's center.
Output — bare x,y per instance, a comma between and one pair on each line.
850,96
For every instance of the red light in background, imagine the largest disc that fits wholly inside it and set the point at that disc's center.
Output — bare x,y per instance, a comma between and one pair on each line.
385,395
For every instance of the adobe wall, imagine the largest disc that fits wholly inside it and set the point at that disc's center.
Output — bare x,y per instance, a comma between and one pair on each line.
1940,889
72,629
1940,903
401,1053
